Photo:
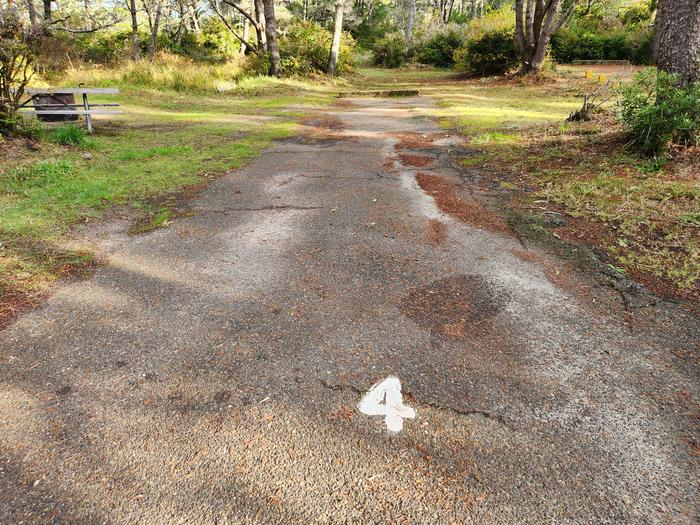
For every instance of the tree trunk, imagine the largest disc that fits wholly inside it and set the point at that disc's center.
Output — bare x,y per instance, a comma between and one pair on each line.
48,16
678,28
154,32
134,30
271,34
32,14
535,23
260,28
86,14
337,33
410,19
246,35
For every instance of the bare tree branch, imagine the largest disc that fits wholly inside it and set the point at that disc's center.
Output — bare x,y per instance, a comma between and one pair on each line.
250,46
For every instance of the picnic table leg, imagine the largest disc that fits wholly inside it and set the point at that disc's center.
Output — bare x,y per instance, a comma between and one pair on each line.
88,117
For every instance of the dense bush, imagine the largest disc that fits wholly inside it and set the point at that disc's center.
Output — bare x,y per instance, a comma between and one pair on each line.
214,43
304,49
492,54
571,44
105,47
438,50
390,51
368,28
656,111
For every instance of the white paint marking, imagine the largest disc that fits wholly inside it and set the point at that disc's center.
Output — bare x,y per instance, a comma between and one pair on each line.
393,409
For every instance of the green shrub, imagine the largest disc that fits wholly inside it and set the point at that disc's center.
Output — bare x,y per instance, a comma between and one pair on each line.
494,53
503,18
390,51
304,50
439,49
214,43
105,47
656,111
573,44
369,26
71,135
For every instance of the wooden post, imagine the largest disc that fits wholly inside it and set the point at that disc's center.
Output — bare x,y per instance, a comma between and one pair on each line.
88,117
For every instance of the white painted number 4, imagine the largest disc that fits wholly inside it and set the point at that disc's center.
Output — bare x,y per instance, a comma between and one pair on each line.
393,409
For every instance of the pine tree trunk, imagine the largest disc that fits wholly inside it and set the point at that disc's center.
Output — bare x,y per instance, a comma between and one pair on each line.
410,18
32,14
678,38
260,28
154,32
48,16
135,30
271,34
337,33
246,35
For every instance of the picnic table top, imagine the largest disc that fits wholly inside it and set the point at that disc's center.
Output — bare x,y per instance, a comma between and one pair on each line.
73,91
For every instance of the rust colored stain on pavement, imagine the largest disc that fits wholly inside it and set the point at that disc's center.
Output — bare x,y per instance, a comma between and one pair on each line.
447,199
454,307
437,232
418,161
414,141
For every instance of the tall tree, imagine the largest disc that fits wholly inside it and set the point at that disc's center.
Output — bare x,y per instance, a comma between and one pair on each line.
678,38
48,14
134,31
154,31
535,23
410,18
271,34
337,34
260,25
31,9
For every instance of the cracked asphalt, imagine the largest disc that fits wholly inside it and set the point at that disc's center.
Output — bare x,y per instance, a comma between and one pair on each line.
209,372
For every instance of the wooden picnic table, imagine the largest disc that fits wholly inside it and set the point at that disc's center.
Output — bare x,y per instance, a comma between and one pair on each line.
60,107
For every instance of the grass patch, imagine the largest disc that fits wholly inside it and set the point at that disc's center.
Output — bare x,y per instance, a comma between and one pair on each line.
71,135
155,218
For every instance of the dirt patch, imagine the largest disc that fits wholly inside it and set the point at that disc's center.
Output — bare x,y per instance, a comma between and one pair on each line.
321,129
418,161
445,194
324,122
413,141
437,232
454,308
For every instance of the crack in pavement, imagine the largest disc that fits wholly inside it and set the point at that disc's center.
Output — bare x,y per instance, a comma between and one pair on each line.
271,207
459,411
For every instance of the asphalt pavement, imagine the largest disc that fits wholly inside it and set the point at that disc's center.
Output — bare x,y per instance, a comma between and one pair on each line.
210,371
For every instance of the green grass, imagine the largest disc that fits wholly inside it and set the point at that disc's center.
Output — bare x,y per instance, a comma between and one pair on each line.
71,135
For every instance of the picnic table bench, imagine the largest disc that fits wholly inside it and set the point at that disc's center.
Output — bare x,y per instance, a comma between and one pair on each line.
61,101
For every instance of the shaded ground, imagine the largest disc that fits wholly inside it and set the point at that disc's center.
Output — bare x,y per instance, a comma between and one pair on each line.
209,372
